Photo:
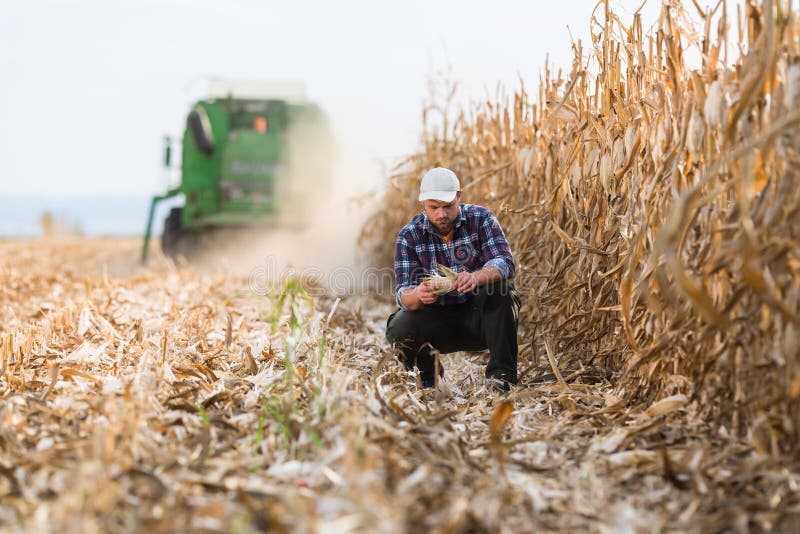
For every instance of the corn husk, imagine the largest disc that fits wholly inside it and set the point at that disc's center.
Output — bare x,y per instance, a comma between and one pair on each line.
442,284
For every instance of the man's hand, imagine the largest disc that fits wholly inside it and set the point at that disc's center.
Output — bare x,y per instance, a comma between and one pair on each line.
414,298
466,282
424,293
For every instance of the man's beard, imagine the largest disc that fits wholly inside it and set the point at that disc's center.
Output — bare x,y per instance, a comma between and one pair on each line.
443,228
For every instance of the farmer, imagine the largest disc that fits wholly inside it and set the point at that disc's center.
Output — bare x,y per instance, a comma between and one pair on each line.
481,310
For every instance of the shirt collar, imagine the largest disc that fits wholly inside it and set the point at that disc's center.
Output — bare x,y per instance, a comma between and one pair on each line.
426,223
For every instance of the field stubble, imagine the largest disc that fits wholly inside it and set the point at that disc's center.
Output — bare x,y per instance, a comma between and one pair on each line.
168,399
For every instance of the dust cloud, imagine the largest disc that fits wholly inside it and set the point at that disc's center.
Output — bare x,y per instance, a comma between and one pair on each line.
321,216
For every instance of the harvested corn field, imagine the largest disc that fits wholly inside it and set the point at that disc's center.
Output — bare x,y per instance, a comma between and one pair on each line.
167,399
652,210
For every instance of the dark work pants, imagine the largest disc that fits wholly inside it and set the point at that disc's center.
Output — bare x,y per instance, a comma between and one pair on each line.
487,320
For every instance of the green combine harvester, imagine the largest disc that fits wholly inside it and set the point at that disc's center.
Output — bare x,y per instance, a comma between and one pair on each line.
253,154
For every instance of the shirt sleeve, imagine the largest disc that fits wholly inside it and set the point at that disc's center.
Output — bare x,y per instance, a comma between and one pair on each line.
405,261
495,249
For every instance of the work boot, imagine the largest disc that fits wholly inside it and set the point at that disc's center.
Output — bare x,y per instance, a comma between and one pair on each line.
430,381
500,386
502,381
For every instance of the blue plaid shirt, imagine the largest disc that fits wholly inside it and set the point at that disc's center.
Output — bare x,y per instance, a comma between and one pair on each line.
477,241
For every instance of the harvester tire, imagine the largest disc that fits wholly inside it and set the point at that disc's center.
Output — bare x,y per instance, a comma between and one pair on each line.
170,239
200,130
176,240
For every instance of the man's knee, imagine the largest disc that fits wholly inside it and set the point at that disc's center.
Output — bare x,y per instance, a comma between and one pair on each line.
412,328
401,327
404,331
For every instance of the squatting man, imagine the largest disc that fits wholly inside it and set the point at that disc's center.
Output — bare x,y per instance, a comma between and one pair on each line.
482,309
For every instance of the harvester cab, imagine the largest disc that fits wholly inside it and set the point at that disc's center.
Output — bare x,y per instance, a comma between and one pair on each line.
252,154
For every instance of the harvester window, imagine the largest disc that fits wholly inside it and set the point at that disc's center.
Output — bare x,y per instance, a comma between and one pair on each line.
257,115
260,124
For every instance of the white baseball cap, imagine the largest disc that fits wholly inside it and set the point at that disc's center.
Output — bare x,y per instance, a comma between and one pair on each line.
439,184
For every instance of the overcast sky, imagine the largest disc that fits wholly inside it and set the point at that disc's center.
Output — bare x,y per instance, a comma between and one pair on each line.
88,88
